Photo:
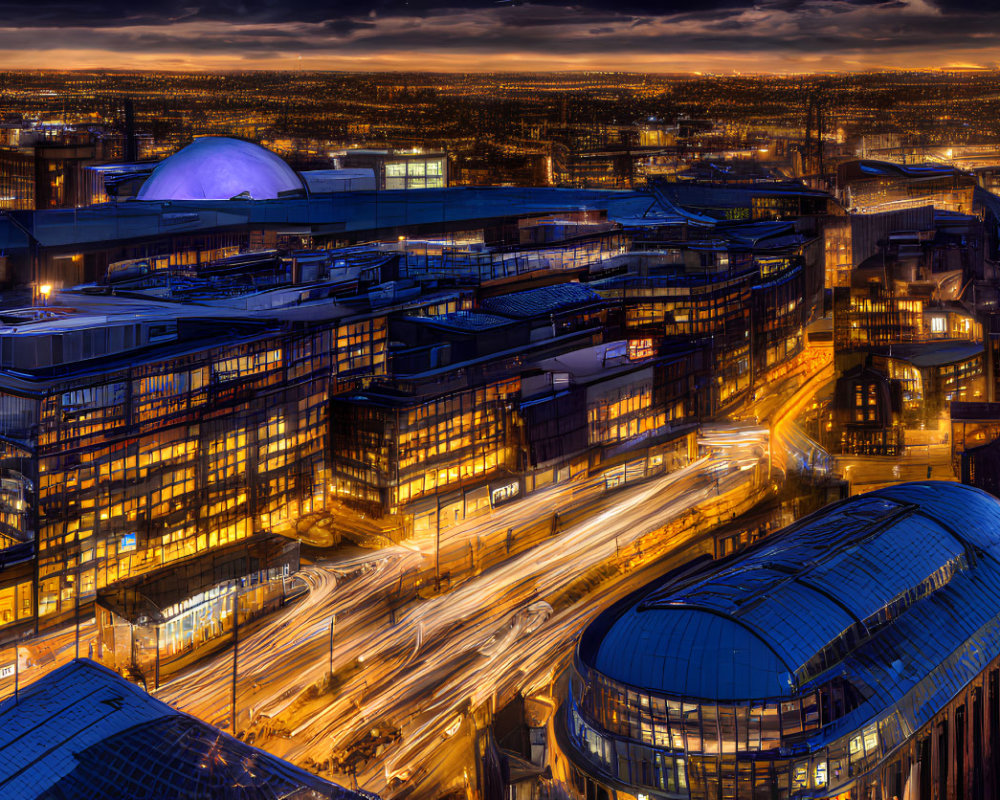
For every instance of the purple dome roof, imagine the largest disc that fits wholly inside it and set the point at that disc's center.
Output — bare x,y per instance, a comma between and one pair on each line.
217,168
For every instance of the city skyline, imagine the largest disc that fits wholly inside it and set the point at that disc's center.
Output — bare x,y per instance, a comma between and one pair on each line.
504,426
730,36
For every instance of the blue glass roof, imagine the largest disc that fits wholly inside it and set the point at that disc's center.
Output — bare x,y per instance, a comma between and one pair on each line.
912,572
83,731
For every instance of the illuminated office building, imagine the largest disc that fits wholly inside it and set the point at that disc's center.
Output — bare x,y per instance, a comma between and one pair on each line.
910,288
754,199
903,314
850,239
748,308
874,186
867,413
973,425
933,376
391,452
47,174
622,409
142,436
488,405
589,249
431,438
856,654
400,169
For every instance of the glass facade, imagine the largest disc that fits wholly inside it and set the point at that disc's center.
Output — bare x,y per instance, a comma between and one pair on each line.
152,627
388,454
845,709
929,388
689,748
416,173
135,467
875,316
83,731
625,412
422,258
753,324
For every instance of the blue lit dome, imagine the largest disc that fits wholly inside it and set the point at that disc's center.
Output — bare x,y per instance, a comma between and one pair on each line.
217,168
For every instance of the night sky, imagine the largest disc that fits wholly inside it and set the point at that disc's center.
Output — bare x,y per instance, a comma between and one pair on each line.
489,35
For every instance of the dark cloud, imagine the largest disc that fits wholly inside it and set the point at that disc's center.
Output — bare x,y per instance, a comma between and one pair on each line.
564,28
115,13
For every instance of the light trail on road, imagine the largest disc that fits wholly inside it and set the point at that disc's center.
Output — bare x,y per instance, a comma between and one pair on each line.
429,668
418,670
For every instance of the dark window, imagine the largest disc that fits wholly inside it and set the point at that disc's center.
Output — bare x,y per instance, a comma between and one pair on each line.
977,742
960,736
942,745
993,700
924,765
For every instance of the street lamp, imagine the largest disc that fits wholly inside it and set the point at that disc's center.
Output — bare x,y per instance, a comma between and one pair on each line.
45,290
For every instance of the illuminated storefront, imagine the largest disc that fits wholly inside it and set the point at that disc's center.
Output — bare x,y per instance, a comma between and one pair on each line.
155,625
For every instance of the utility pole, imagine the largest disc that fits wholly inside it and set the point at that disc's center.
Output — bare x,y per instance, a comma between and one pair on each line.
236,645
333,626
79,588
437,545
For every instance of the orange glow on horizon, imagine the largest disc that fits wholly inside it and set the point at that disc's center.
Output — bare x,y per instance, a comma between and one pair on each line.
514,61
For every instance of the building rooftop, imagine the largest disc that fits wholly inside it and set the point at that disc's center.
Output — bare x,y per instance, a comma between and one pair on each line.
884,590
541,301
764,234
348,212
731,195
598,362
466,321
933,354
83,731
890,169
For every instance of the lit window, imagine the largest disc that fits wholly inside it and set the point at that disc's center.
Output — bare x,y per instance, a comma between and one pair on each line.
871,739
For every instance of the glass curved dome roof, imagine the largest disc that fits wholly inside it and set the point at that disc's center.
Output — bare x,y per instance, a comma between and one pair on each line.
888,566
217,168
